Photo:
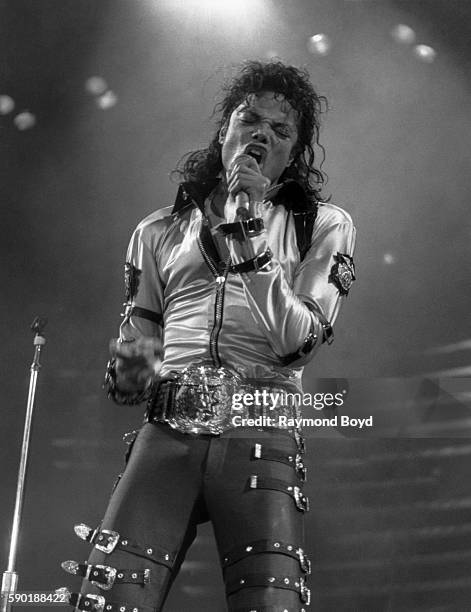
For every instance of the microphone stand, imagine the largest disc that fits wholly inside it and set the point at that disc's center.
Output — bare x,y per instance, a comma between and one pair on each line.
10,576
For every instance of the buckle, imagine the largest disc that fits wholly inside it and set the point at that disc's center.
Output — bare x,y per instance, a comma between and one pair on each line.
304,592
109,573
110,539
302,502
301,469
304,561
99,606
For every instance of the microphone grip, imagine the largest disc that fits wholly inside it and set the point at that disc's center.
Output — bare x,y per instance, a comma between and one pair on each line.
242,203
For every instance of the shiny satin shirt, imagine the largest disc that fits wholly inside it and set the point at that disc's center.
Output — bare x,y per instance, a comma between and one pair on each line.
248,322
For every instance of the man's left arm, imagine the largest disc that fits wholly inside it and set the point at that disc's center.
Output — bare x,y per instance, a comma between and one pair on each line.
297,318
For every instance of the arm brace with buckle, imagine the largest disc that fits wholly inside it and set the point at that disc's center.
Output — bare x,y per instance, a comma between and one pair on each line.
242,229
254,264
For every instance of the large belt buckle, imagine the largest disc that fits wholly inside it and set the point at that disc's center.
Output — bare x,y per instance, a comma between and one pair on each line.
203,399
302,502
109,575
304,561
304,592
111,538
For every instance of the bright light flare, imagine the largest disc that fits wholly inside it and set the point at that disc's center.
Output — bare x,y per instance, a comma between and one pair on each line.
403,34
236,12
389,259
24,121
7,104
319,44
425,53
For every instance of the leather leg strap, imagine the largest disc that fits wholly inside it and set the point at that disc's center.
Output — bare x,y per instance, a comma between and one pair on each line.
267,546
291,583
259,482
105,576
294,460
107,541
97,603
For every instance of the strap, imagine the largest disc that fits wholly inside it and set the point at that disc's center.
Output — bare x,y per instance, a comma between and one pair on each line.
267,546
291,583
304,224
107,541
267,609
327,331
273,454
144,313
307,346
105,576
259,482
98,603
254,264
243,229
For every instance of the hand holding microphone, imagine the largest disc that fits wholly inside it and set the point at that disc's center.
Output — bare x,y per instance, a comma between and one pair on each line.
246,186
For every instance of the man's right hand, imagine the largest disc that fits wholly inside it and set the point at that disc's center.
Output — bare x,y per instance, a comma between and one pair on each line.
137,363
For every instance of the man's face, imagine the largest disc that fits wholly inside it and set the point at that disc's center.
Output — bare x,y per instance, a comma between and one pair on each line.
263,126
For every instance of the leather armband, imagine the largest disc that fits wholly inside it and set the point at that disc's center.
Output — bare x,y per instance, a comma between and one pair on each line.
306,348
120,397
243,229
254,264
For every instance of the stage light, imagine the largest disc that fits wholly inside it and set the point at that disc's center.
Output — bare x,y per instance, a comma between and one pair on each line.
24,120
403,34
107,100
319,44
425,53
96,85
389,259
7,104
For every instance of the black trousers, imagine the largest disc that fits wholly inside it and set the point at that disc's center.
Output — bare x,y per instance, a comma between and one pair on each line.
243,481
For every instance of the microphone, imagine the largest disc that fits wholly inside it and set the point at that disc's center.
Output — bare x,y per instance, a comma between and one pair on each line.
242,199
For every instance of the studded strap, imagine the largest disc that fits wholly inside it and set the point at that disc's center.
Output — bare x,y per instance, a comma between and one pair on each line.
294,460
274,484
291,583
267,546
107,541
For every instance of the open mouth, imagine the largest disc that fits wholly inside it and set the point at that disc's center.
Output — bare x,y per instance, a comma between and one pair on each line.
257,152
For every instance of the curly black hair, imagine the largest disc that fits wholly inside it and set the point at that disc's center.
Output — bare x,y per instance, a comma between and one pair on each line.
294,84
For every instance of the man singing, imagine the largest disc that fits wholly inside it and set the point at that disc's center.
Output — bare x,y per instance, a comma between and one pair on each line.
230,291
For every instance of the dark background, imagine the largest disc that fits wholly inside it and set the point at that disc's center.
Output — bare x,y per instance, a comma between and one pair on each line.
73,187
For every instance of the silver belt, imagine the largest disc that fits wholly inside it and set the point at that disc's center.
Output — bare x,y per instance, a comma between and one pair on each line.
203,399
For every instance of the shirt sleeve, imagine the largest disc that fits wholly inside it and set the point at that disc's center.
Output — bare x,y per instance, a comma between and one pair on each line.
143,288
297,317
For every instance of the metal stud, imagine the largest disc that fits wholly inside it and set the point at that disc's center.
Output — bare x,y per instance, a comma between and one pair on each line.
120,575
271,579
134,576
124,542
286,580
167,557
108,607
289,488
277,545
149,551
95,573
122,609
289,547
242,581
249,548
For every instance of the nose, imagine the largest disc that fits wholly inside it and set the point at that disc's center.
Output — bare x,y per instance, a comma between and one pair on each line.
259,134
